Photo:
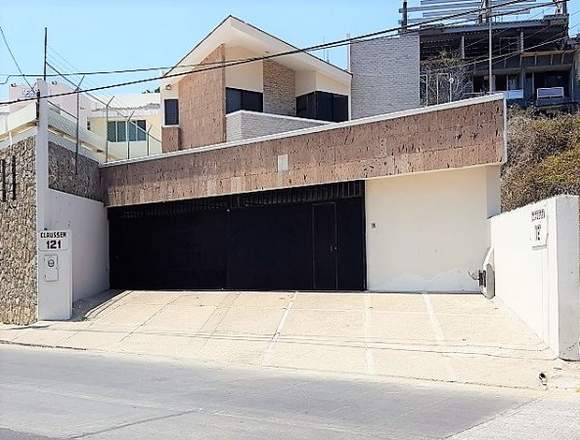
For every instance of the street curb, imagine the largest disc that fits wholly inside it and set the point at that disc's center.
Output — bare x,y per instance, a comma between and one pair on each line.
27,344
282,368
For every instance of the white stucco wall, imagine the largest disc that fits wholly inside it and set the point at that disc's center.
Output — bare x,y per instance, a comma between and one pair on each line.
429,232
87,219
248,76
541,284
310,81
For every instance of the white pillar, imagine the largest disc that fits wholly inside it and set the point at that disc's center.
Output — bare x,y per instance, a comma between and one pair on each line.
567,278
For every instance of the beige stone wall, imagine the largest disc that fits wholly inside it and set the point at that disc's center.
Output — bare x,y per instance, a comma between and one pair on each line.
202,105
471,134
85,182
18,286
279,89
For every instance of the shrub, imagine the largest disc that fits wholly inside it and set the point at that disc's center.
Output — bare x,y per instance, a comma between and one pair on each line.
543,158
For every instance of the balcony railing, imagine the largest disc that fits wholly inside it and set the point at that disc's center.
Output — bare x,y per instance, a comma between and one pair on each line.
550,92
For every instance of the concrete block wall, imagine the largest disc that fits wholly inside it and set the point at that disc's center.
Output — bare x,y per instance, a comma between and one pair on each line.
18,256
247,125
539,280
385,75
202,105
279,89
465,133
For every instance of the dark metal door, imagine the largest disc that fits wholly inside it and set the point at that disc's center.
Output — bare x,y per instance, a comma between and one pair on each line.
324,239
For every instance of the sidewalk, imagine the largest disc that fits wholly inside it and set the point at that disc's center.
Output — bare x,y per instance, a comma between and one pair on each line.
451,338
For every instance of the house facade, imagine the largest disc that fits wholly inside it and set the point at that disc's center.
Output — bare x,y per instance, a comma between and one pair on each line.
278,174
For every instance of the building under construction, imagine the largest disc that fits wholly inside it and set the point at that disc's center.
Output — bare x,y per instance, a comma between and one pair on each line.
526,45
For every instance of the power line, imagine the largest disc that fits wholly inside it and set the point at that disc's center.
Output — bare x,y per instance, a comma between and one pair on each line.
149,69
508,29
224,64
118,100
141,69
510,54
14,58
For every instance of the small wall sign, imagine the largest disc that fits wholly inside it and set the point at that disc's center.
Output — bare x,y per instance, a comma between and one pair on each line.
539,228
53,241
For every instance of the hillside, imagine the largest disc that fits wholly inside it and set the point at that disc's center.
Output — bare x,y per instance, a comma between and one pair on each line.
543,158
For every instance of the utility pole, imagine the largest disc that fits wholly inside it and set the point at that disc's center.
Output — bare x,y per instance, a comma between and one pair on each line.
78,92
45,47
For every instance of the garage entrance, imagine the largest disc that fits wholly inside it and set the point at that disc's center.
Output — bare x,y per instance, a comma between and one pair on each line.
309,238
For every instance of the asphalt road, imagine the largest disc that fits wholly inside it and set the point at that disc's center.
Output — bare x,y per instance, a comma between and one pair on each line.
48,394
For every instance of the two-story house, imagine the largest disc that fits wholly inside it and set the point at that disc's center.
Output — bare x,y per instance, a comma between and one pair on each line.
253,99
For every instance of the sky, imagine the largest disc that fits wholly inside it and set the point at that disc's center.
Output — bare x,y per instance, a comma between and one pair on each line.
119,34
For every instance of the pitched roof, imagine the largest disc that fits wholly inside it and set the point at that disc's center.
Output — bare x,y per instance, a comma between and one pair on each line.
235,32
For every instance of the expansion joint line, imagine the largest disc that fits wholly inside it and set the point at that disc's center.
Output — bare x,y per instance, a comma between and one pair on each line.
436,326
369,357
270,350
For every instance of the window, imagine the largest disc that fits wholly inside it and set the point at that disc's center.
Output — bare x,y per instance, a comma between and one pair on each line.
237,99
505,83
323,106
117,131
171,112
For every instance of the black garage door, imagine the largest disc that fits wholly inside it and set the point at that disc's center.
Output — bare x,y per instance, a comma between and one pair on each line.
309,238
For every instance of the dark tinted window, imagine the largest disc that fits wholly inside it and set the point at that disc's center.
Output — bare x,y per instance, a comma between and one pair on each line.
306,106
237,99
323,106
340,108
252,101
171,112
233,100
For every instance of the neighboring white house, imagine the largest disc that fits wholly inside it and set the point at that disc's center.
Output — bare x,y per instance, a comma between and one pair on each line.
140,137
126,126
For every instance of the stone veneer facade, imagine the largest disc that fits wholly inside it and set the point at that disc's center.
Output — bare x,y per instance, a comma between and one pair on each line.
169,139
202,105
465,134
279,89
18,256
86,182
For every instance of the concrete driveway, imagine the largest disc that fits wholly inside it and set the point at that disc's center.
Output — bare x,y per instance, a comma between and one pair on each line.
442,337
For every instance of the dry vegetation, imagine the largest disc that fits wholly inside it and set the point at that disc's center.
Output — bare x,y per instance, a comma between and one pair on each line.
543,158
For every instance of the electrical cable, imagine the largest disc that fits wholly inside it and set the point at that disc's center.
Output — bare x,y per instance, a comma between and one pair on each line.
14,58
337,43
